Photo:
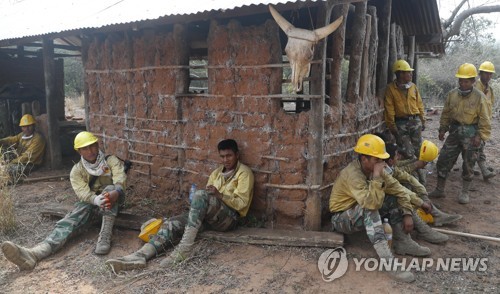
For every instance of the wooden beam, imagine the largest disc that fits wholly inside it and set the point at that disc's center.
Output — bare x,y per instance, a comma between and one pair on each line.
393,52
358,34
411,50
383,46
51,104
47,178
372,55
365,78
258,236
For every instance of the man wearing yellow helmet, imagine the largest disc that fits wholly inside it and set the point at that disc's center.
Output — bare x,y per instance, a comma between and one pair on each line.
465,116
28,148
486,71
404,110
360,196
99,183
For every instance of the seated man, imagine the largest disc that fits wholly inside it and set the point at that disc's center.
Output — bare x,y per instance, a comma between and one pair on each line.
227,197
407,180
98,182
28,149
360,196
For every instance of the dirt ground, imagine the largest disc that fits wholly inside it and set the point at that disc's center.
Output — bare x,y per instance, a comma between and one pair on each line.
224,267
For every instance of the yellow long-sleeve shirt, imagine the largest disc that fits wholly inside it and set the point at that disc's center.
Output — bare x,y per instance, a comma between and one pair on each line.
419,189
237,191
29,150
490,96
352,187
399,103
466,110
80,179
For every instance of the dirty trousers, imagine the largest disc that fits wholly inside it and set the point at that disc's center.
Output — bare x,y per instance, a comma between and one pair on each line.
79,219
410,137
206,212
357,219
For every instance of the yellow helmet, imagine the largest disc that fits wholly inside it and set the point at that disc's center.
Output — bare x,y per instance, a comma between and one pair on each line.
151,227
27,120
84,139
487,66
401,65
426,217
371,145
428,151
466,71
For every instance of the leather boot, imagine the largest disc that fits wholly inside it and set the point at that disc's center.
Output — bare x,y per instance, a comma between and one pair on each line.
384,252
25,258
132,261
426,233
104,242
183,250
439,191
463,198
403,244
487,173
442,218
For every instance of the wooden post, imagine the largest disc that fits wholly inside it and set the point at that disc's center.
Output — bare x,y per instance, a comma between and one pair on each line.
50,99
393,53
20,51
372,55
400,44
415,72
383,46
85,53
363,85
358,35
411,50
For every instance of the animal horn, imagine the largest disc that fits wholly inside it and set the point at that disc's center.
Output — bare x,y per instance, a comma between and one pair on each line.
326,30
281,21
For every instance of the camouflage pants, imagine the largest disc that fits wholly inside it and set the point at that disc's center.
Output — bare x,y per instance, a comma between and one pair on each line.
410,137
79,219
481,156
459,141
18,171
206,212
357,219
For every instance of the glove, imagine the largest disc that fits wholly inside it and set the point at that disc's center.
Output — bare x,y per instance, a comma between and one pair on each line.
99,200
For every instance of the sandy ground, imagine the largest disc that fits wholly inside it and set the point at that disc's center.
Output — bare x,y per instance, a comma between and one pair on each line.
224,267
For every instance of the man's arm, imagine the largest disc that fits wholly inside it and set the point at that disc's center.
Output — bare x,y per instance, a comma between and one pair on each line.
369,196
421,109
33,153
12,140
419,189
242,195
484,123
444,121
394,188
80,184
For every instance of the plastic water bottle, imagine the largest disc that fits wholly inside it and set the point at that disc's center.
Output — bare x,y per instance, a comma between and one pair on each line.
388,232
192,191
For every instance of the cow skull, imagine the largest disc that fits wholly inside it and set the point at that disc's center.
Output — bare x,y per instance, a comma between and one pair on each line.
300,46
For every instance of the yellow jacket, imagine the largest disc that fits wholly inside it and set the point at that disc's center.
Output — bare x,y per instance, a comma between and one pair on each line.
237,191
80,179
397,105
419,189
490,96
466,110
30,150
352,187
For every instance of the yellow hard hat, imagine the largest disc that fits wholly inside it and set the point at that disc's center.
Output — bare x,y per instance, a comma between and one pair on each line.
426,217
371,145
150,229
27,120
487,66
84,139
401,65
428,151
466,71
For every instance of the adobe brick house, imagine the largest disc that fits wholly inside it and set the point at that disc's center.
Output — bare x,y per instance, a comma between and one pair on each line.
164,92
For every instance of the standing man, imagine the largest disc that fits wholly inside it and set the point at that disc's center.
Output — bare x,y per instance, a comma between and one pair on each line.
227,197
29,148
465,116
99,183
486,71
360,196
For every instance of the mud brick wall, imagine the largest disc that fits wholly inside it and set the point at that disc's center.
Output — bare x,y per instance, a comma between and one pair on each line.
139,106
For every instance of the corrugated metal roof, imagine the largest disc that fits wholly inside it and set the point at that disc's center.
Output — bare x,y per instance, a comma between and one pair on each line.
25,18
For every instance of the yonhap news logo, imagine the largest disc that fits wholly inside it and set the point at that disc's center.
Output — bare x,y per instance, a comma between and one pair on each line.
333,264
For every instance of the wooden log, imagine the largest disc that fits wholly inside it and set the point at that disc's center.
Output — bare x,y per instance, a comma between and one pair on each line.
39,179
364,82
496,239
372,55
337,54
383,46
400,48
393,53
258,236
358,34
411,50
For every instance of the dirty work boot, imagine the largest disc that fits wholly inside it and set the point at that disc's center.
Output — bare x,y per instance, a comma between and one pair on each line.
132,261
25,258
487,173
403,244
104,242
183,249
439,191
384,252
463,198
426,233
443,218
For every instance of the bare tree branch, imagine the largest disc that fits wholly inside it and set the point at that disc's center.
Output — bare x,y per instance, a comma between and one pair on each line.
449,21
454,30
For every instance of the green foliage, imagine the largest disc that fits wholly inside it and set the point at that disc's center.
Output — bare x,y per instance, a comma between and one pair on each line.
73,77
